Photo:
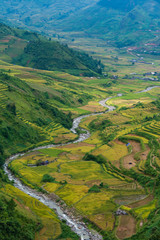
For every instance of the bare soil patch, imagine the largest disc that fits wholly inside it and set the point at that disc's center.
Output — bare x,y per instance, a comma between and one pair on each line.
135,146
127,227
129,161
143,155
141,202
118,142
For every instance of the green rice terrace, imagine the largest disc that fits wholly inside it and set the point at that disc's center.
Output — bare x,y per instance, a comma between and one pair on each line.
117,167
110,181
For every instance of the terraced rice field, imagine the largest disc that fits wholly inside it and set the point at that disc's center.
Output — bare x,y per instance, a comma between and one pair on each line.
97,189
3,97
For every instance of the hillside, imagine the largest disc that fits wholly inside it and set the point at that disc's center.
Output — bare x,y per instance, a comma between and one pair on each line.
122,23
37,13
30,49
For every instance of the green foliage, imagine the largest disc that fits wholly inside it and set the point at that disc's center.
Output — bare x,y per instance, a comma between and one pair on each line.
12,108
107,138
67,233
99,125
3,177
47,178
60,117
102,185
123,108
13,225
5,30
99,159
94,189
157,103
139,105
51,55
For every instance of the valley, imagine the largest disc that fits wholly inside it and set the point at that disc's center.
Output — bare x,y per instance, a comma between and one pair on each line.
73,177
80,122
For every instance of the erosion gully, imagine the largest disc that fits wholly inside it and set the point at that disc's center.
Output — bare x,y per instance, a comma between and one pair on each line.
75,223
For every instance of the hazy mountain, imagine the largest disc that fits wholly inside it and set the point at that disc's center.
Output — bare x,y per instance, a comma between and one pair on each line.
122,22
39,13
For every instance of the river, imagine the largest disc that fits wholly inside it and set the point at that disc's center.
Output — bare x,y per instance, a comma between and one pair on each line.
76,225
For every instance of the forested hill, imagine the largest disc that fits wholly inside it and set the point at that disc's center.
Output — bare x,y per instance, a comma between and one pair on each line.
38,13
121,22
31,49
125,5
51,55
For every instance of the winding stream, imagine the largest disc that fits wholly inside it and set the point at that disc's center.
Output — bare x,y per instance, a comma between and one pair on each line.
76,225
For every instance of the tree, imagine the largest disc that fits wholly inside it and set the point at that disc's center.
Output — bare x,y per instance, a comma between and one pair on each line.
12,108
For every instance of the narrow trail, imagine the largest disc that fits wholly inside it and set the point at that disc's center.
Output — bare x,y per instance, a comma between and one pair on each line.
76,225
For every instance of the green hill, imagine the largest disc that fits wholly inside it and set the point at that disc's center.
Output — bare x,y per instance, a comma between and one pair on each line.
54,56
30,49
24,111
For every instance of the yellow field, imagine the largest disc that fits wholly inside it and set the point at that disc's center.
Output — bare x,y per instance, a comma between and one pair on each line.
72,193
113,153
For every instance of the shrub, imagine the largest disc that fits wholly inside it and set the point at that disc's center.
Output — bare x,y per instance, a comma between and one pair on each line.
94,189
47,178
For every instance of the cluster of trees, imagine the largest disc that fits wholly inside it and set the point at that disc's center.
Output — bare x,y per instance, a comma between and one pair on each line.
48,178
5,30
14,225
99,159
157,103
100,125
67,233
51,55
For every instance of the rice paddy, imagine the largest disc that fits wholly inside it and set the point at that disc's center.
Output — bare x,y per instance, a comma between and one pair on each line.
93,189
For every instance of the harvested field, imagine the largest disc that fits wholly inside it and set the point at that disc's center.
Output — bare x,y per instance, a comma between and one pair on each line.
129,161
127,227
141,202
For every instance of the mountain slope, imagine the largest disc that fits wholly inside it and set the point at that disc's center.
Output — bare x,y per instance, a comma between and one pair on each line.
119,22
30,49
123,23
36,13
